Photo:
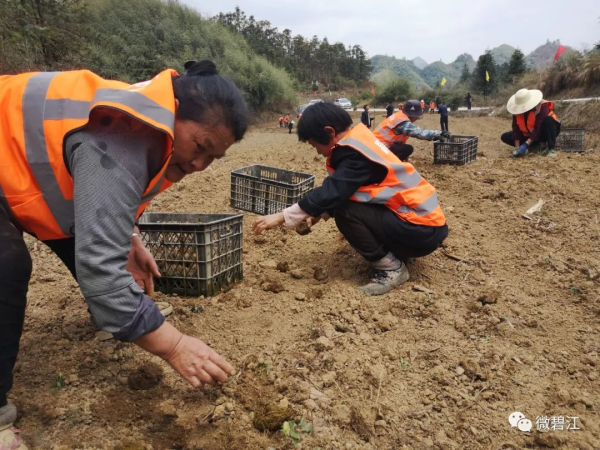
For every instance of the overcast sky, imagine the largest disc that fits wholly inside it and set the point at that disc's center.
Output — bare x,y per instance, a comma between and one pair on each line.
431,29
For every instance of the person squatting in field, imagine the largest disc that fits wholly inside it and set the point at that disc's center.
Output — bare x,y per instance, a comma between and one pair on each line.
395,130
382,206
534,122
81,159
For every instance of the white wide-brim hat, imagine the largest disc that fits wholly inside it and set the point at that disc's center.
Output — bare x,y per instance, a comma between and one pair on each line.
524,100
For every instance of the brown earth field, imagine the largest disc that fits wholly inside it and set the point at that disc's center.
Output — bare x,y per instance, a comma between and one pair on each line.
505,317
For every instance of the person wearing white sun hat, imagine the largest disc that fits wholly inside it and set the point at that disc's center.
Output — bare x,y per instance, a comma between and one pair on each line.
534,121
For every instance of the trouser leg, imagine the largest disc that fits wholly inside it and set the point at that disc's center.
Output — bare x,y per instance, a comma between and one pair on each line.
15,272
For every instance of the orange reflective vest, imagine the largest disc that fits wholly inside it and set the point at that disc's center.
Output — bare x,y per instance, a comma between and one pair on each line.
37,112
286,119
432,105
527,125
385,130
281,120
422,105
403,190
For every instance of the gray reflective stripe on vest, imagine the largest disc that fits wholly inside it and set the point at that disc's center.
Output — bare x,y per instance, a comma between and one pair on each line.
155,189
427,207
58,109
34,99
139,103
382,196
64,108
408,180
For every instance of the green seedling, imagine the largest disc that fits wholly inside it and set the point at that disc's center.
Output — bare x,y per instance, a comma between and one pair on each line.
58,382
294,430
404,363
575,290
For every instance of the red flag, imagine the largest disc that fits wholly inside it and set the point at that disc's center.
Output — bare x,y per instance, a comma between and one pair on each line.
373,92
559,51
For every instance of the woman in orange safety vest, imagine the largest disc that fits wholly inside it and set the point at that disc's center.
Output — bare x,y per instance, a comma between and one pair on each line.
534,122
382,206
81,157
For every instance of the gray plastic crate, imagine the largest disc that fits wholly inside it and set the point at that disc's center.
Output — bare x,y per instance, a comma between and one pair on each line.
571,140
267,190
457,150
197,254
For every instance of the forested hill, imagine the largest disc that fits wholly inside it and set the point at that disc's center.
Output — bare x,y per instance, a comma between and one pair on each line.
135,39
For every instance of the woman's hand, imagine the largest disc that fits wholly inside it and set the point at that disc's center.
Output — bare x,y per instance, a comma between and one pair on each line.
199,364
141,265
195,361
267,222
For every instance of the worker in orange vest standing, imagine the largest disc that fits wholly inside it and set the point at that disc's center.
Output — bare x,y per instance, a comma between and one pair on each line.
286,121
534,122
423,105
431,107
382,206
280,121
396,129
82,157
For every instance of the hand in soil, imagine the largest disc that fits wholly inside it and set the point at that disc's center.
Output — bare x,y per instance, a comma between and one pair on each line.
142,266
198,363
267,222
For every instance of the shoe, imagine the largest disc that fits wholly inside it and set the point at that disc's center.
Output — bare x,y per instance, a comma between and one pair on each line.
10,438
550,153
383,281
165,309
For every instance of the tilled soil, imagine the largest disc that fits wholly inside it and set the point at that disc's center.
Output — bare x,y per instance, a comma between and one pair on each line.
503,318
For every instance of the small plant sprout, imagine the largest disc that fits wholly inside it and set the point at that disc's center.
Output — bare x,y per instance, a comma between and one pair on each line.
295,430
58,382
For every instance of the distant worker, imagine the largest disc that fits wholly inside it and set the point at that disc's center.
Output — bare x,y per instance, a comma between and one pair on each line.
400,106
534,122
422,105
443,110
280,122
365,117
286,121
389,109
291,126
431,107
396,129
383,207
468,100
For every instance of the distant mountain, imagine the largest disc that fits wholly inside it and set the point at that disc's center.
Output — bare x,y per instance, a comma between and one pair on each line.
502,53
543,56
461,60
421,74
419,62
401,67
434,72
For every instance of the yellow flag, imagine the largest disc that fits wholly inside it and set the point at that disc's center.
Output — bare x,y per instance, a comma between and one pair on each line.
443,81
487,76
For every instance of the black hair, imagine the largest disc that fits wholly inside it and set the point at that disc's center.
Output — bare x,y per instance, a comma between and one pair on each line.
318,116
202,92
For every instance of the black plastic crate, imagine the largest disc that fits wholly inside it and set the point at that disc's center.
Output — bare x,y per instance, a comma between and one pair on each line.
267,190
571,140
457,150
197,254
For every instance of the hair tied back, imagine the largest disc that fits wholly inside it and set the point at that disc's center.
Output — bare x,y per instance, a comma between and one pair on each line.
200,68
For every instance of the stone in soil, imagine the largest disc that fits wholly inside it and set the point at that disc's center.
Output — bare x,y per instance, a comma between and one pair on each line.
320,274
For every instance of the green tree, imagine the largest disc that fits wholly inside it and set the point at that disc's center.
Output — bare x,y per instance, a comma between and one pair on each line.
516,66
397,90
42,34
479,81
465,75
